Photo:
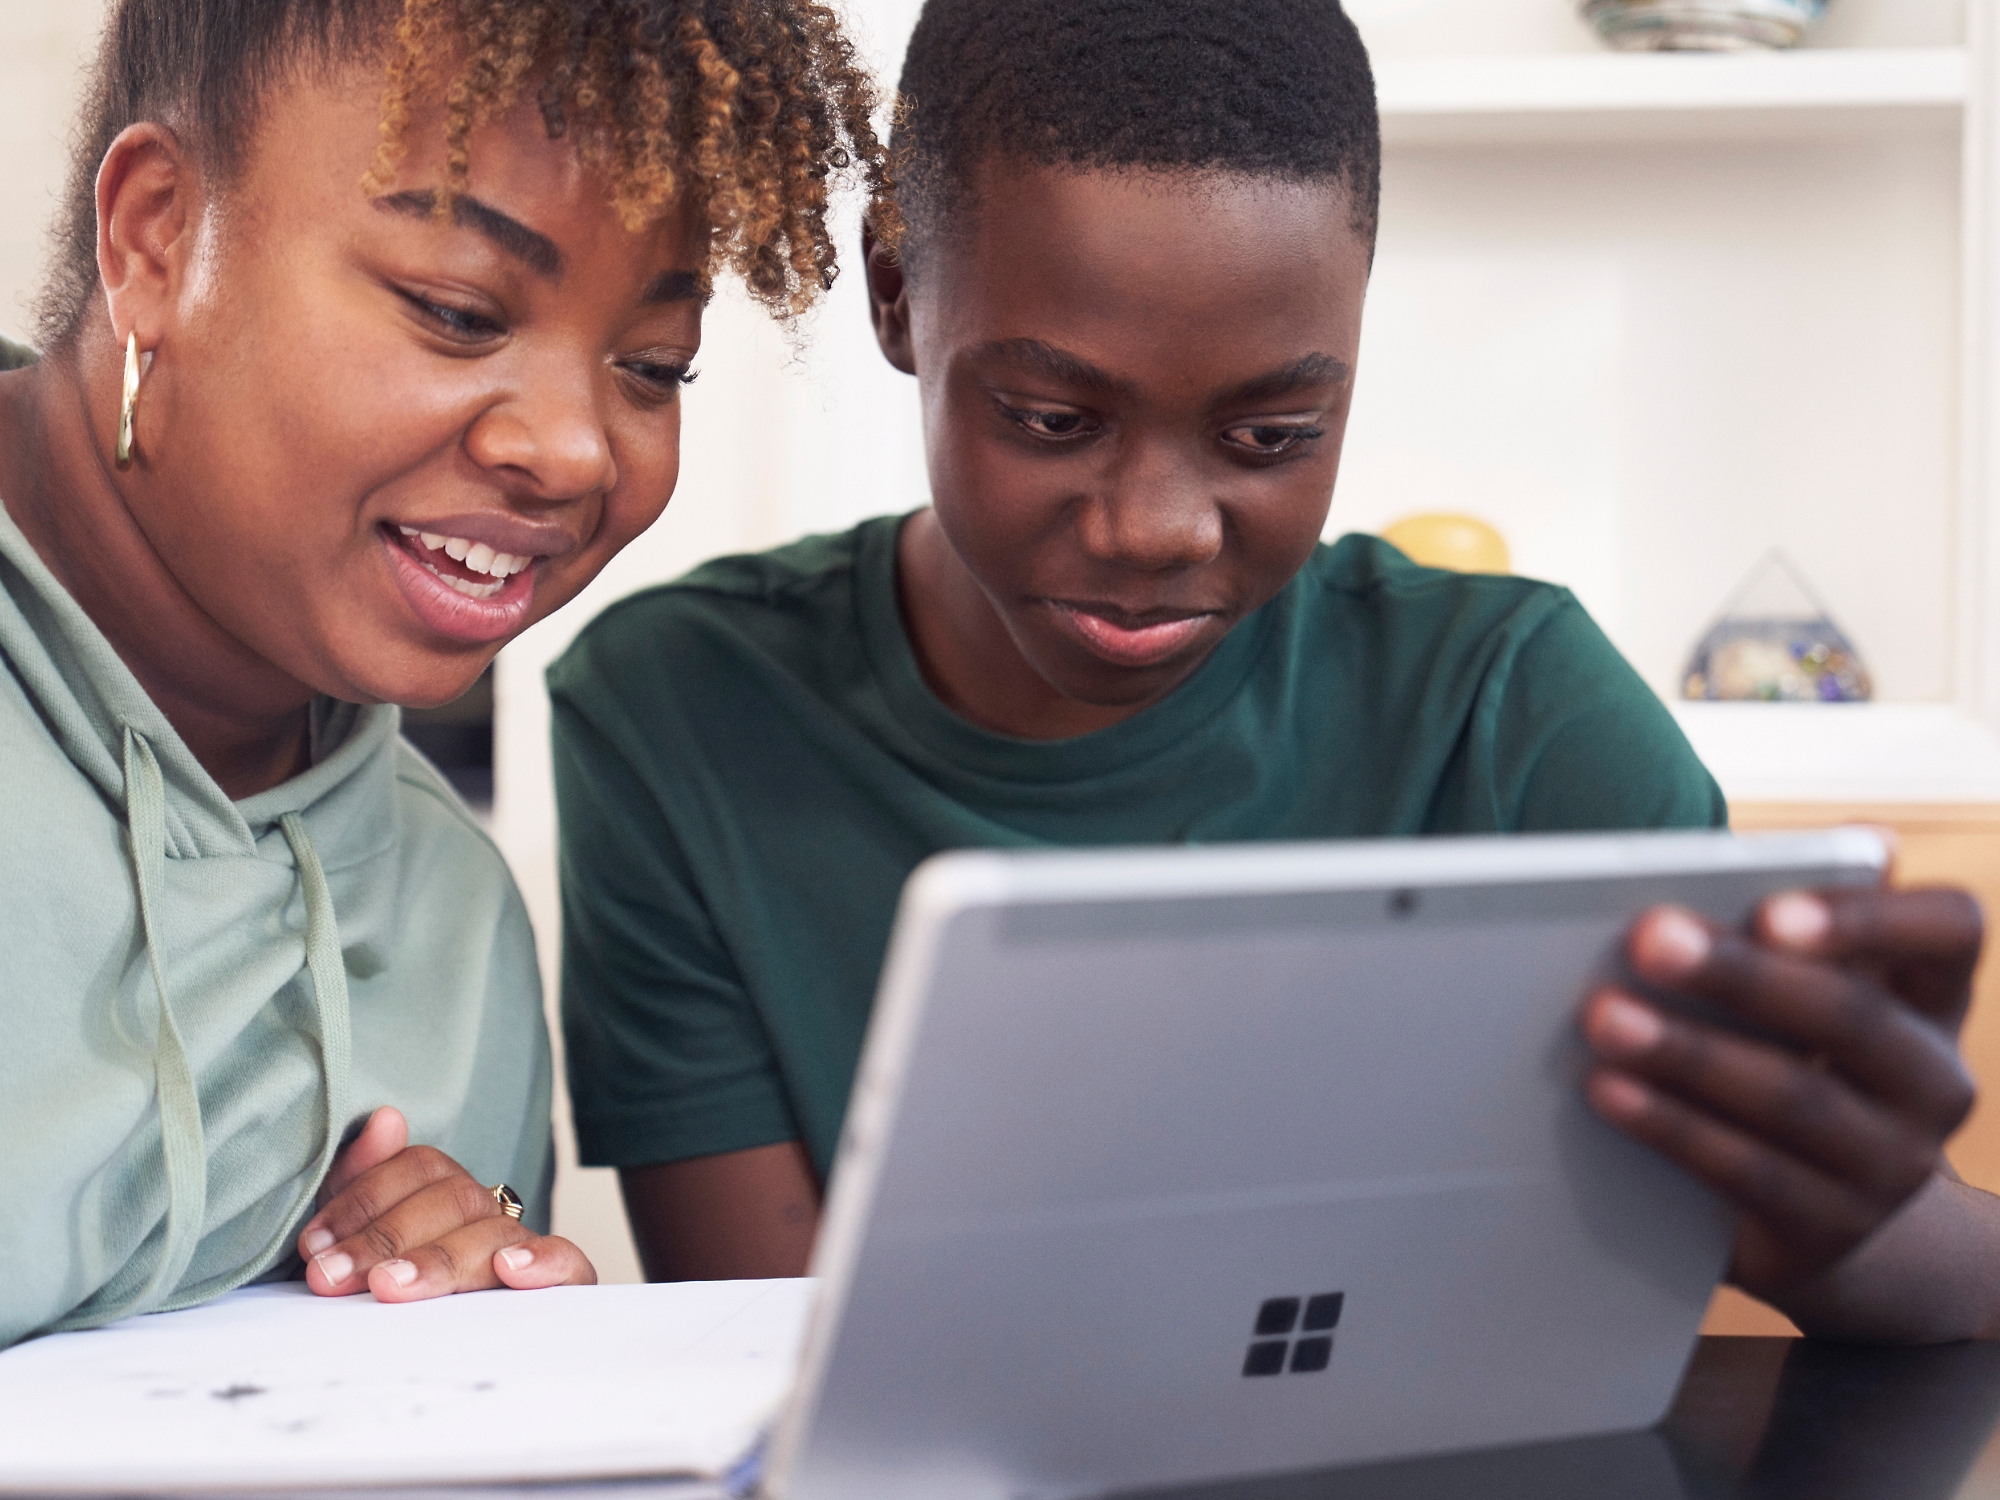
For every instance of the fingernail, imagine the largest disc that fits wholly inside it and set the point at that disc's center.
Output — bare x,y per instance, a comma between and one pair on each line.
516,1258
334,1269
1679,940
1616,1095
400,1271
1797,920
1625,1027
318,1240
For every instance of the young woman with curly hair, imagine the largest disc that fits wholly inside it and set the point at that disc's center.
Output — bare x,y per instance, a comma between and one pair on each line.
362,352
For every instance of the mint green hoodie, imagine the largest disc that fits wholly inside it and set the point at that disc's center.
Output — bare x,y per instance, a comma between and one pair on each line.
198,997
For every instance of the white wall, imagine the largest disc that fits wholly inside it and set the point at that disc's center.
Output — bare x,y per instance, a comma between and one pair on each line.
43,48
1650,364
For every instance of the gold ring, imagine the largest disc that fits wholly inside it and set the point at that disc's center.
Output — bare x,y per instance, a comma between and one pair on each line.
509,1200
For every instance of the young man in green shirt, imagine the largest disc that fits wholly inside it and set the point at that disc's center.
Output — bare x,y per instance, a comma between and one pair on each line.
1138,242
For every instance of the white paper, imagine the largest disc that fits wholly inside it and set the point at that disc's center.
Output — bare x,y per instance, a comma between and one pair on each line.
274,1388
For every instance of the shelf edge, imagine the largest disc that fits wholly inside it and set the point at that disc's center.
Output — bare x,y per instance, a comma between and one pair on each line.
1887,753
1627,84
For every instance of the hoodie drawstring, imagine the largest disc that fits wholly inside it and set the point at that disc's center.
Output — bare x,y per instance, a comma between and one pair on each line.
329,984
181,1141
180,1105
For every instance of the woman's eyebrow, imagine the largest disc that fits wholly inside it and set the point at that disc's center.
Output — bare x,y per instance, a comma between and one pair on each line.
1301,374
535,251
672,286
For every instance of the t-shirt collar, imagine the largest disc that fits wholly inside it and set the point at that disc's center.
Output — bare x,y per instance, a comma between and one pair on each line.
966,746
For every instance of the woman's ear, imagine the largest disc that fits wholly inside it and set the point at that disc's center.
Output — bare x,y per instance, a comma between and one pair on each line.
888,301
145,194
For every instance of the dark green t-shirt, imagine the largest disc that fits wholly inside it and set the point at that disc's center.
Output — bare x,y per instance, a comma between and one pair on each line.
748,766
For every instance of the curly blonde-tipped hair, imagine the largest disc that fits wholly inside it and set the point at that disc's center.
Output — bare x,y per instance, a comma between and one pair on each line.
751,111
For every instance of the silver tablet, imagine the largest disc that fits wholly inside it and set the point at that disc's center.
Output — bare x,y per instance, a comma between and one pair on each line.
1170,1165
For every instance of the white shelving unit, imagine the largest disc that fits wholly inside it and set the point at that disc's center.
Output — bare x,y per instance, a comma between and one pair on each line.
1595,97
1779,251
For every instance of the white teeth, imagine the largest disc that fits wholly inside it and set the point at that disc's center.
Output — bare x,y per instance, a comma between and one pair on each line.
475,590
477,556
468,588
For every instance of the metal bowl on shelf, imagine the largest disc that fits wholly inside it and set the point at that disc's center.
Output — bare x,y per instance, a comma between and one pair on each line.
1701,25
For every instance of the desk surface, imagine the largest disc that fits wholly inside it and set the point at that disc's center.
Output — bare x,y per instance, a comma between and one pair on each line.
1773,1419
1756,1419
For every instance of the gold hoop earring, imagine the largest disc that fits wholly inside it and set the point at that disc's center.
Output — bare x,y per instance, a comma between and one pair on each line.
130,406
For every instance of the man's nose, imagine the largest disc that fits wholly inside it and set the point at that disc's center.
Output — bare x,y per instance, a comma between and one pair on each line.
1153,511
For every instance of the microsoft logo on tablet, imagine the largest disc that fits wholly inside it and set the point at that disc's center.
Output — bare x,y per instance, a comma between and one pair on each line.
1275,1350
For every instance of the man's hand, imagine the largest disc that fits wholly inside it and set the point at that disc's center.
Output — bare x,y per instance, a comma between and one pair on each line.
1820,1142
407,1222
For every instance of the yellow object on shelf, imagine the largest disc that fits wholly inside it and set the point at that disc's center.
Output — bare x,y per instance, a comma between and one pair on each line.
1464,544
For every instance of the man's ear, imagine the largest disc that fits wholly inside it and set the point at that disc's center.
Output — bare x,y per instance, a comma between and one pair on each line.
146,192
888,301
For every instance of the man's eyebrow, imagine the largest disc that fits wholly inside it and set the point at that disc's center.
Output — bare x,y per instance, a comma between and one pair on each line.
1060,365
535,251
1301,374
1057,364
672,286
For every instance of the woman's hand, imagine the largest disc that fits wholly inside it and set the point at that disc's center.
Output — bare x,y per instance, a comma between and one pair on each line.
1822,1134
407,1222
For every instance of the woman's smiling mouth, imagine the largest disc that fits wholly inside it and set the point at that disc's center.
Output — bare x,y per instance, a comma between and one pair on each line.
489,570
1126,640
462,588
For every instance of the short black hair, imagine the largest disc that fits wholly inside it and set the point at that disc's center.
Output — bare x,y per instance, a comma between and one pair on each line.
1278,88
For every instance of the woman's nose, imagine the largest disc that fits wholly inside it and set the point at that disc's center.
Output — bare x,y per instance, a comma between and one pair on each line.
551,432
1153,512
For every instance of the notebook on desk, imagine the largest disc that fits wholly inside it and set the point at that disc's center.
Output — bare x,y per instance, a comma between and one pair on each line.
273,1389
